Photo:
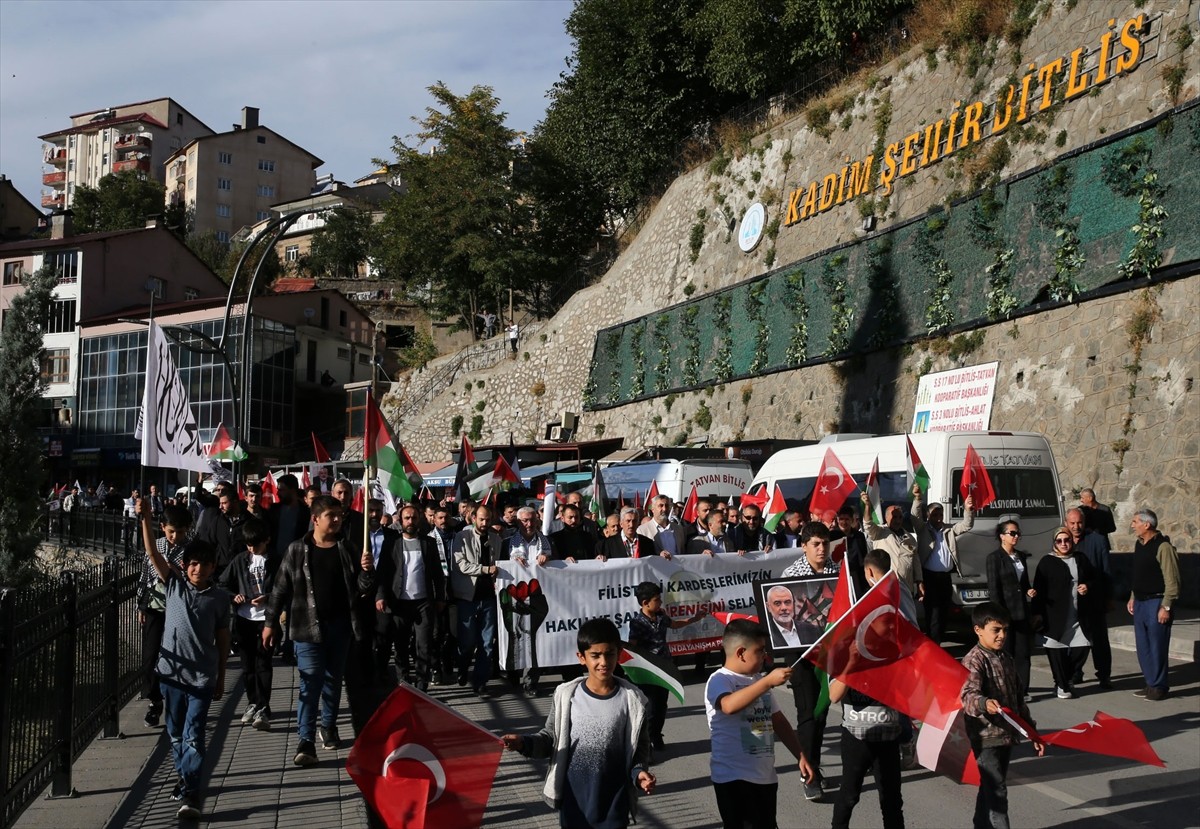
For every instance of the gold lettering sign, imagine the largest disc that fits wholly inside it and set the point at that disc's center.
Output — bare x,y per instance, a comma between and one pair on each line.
1015,103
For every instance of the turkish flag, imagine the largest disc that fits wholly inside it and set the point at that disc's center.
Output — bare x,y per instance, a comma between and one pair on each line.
419,763
651,494
725,617
1112,736
358,502
270,491
689,509
834,485
759,498
875,650
976,484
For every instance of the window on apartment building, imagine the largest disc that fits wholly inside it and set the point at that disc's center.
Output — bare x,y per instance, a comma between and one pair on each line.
56,365
179,118
14,272
262,139
343,354
104,160
364,358
71,165
191,184
61,318
266,165
291,253
224,184
224,211
66,263
71,141
190,293
342,318
261,215
104,135
225,158
158,286
266,190
223,236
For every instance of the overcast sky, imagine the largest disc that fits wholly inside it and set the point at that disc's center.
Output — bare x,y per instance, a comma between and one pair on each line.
338,78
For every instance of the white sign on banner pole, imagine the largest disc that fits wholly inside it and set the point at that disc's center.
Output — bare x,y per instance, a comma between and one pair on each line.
166,425
958,400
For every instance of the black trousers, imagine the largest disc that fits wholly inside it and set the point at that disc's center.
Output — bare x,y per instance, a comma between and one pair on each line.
1019,644
1096,630
938,598
991,804
810,728
152,632
1064,663
414,619
256,662
657,697
745,805
882,759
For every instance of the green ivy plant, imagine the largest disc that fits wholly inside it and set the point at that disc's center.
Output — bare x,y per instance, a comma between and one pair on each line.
589,388
662,343
797,351
939,310
1129,173
723,364
886,293
1050,205
638,371
691,338
755,312
984,231
833,277
612,346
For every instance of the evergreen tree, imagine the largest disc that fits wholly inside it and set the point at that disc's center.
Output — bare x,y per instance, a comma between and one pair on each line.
20,447
118,202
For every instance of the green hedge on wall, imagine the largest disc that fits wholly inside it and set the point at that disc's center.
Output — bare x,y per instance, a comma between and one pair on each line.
1103,214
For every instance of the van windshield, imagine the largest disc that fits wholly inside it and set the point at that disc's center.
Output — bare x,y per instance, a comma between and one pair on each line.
1028,491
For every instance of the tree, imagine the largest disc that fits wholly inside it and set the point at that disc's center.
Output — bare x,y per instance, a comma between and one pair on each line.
460,236
119,201
340,245
20,447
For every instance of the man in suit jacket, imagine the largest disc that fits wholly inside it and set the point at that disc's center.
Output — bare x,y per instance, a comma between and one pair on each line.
627,543
786,632
412,588
472,583
713,540
669,538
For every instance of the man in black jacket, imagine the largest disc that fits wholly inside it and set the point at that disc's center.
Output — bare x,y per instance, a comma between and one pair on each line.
412,588
626,543
224,531
317,584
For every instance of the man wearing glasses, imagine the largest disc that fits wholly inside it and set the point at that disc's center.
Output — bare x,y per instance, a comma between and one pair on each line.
749,536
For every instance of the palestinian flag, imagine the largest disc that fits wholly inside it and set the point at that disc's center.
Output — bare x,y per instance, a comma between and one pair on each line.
599,496
774,510
917,474
223,448
874,505
643,668
466,469
381,451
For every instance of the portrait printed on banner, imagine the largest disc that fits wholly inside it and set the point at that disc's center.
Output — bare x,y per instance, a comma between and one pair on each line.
794,611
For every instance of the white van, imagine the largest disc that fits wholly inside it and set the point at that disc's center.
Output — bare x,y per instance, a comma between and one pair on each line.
712,477
1020,464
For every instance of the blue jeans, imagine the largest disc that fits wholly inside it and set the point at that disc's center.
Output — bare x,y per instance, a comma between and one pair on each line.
186,712
1153,642
321,665
477,635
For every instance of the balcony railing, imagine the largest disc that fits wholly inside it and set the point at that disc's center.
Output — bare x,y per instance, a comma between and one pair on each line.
55,155
53,199
131,141
54,179
140,164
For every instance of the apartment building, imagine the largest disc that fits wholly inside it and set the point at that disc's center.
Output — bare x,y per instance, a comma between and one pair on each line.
230,180
139,136
115,272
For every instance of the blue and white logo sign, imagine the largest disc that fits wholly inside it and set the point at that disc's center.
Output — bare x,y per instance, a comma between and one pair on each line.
751,231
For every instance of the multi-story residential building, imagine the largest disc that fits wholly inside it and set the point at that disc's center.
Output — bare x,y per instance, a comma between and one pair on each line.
231,179
138,136
99,273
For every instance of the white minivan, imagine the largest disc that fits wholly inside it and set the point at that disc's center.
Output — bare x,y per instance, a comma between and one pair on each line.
712,477
1020,464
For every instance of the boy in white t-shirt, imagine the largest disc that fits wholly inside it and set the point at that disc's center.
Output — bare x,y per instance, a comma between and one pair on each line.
745,719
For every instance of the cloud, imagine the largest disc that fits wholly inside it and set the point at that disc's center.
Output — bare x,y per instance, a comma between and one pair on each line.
338,78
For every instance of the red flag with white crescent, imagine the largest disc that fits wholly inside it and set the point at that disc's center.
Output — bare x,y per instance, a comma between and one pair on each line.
976,483
834,485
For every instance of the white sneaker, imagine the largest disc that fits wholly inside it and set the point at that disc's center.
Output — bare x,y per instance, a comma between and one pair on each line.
1061,693
248,716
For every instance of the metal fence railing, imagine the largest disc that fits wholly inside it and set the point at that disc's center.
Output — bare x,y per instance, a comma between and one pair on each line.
96,530
69,660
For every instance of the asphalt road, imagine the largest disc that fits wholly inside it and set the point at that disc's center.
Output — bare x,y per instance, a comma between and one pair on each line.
1063,789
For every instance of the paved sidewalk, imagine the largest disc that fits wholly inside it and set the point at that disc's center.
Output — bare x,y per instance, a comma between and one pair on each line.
252,782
